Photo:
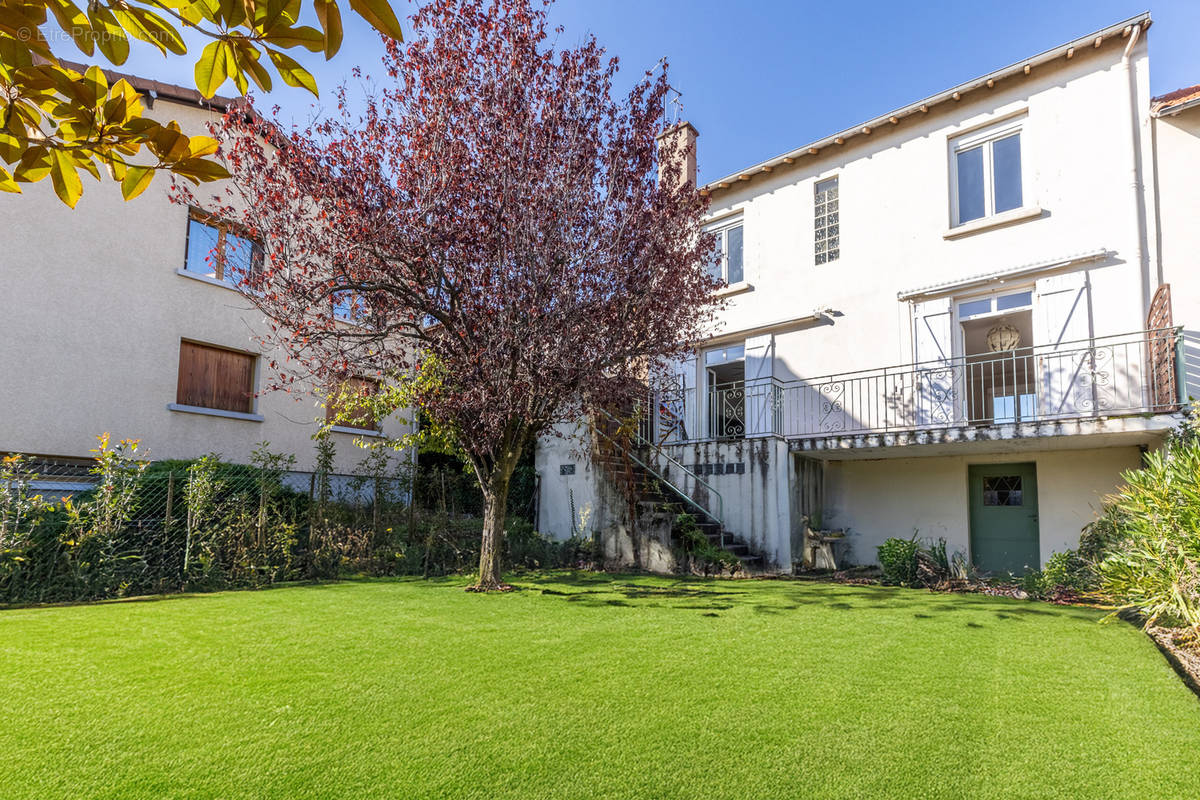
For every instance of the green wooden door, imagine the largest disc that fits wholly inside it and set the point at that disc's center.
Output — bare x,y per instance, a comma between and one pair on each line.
1004,517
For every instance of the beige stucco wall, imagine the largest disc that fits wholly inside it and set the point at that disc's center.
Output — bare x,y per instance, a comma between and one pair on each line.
874,500
94,311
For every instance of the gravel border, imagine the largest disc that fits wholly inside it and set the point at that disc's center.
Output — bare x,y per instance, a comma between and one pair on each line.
1185,659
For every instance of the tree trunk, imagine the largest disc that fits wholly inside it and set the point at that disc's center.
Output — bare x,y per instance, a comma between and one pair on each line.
495,508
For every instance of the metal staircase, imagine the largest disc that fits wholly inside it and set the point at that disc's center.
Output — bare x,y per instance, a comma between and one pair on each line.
658,484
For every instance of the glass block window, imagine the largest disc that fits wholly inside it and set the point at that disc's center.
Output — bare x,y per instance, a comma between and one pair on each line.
827,245
1002,490
986,173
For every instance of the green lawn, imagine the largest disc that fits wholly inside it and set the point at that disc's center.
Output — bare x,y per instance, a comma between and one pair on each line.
588,686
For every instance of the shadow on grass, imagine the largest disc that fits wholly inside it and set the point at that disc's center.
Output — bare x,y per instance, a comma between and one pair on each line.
775,597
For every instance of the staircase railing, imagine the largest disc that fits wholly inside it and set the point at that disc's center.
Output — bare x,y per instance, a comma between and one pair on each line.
716,511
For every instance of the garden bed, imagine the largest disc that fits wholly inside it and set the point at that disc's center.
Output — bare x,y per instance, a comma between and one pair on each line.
1182,650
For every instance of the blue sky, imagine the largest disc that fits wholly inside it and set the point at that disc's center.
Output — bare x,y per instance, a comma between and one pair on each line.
760,77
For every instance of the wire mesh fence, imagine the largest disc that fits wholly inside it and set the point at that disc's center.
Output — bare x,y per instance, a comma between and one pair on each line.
116,526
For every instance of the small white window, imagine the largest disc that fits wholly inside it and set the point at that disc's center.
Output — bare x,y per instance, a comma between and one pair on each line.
826,224
727,265
985,173
995,304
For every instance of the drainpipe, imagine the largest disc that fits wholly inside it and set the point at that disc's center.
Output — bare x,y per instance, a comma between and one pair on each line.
1135,184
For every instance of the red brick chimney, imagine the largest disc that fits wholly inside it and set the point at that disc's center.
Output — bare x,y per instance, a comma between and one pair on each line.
678,142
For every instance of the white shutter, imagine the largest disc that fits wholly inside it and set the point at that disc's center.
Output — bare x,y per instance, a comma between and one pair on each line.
932,339
676,403
1062,318
937,377
760,389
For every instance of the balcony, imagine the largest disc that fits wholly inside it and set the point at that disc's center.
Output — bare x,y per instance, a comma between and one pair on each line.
1057,385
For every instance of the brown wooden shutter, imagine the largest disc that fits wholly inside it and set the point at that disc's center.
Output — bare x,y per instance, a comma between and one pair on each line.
360,417
212,377
1161,346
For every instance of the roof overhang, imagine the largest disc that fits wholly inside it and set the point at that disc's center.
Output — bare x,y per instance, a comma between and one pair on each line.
1171,111
1001,276
158,90
956,93
774,326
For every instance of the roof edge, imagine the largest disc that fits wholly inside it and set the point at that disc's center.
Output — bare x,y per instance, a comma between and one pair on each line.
158,90
1095,38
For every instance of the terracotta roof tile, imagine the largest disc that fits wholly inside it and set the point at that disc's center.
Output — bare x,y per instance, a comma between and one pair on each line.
1175,98
165,91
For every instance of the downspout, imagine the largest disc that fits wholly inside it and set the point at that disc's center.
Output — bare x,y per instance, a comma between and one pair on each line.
1135,183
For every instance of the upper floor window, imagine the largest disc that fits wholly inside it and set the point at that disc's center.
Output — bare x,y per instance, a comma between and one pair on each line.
216,250
825,221
727,266
985,173
348,306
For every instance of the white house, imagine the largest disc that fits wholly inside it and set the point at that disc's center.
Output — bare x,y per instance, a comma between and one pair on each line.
116,320
946,320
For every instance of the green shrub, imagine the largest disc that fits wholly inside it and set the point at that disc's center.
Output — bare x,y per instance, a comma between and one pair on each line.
898,560
1148,539
937,569
695,543
1067,570
528,549
1033,583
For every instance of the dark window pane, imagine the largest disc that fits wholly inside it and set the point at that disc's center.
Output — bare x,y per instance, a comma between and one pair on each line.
970,184
1002,490
734,253
1006,172
202,240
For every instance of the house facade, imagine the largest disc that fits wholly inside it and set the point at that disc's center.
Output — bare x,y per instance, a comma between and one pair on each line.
124,317
948,320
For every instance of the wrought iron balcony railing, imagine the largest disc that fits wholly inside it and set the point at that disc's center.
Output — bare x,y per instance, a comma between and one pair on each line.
1106,376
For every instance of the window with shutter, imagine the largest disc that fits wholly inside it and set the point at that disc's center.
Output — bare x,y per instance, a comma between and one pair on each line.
345,410
214,377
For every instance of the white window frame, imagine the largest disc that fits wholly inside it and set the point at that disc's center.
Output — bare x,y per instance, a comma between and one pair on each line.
721,229
992,296
838,200
986,137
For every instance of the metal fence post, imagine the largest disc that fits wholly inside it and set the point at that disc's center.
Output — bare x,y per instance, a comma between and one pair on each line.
170,498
